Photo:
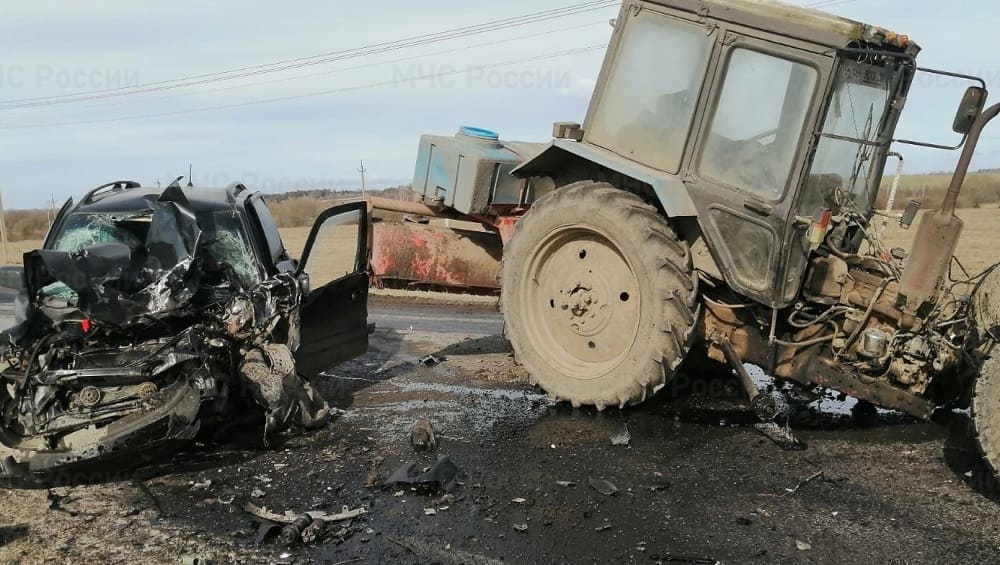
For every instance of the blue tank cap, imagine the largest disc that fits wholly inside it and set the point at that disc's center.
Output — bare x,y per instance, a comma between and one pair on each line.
479,133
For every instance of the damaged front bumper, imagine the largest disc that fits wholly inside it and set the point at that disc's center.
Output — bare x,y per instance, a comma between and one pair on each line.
99,455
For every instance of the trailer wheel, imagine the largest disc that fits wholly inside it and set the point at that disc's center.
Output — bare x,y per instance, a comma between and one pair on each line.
986,411
599,296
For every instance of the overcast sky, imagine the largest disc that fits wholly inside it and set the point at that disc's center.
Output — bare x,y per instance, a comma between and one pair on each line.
372,107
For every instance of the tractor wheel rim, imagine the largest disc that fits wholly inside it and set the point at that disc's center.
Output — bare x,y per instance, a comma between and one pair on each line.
582,301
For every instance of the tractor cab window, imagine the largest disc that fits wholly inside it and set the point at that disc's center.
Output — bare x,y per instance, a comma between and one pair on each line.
758,122
846,161
648,103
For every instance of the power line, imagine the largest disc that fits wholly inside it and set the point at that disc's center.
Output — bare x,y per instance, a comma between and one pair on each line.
100,105
829,3
358,52
312,60
312,94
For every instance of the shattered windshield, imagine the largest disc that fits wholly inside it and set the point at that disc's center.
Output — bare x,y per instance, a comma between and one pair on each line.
225,244
224,241
849,145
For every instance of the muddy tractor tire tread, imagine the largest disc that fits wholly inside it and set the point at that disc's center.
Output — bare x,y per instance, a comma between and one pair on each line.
986,411
667,283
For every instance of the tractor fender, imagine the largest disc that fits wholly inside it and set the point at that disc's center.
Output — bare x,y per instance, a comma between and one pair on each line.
564,157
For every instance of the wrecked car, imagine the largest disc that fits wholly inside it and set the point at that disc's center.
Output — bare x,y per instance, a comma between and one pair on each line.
151,316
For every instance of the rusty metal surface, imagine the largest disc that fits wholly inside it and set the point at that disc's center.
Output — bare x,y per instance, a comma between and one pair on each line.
402,206
809,367
938,233
933,247
738,328
427,255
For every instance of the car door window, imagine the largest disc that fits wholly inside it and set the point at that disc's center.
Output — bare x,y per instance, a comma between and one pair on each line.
270,228
753,150
337,246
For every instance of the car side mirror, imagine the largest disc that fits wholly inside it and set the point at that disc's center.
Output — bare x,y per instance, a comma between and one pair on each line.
909,214
972,105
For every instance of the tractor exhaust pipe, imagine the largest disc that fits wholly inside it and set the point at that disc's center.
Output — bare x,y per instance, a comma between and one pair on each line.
938,233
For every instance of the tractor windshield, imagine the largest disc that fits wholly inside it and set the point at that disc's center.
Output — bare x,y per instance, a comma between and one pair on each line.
853,139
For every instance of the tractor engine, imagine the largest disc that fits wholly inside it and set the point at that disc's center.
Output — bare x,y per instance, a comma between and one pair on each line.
856,301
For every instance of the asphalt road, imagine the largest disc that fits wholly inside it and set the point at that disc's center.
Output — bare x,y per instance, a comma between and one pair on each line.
694,482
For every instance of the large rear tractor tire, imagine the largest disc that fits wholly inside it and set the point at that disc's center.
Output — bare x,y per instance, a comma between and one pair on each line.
986,411
599,296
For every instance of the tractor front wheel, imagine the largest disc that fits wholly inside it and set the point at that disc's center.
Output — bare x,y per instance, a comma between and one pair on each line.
599,296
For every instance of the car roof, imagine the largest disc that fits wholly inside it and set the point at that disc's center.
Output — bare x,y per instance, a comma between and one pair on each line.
110,199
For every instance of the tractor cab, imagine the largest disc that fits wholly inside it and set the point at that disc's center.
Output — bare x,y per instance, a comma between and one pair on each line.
760,119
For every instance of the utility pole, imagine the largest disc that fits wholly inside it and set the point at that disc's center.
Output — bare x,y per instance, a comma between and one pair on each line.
51,208
363,170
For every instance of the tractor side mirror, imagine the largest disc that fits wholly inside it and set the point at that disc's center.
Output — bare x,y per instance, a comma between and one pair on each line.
972,105
909,214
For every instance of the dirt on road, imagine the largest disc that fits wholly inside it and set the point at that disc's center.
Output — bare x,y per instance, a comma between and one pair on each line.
693,481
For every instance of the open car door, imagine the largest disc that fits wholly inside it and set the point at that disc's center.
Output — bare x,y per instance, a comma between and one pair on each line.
334,315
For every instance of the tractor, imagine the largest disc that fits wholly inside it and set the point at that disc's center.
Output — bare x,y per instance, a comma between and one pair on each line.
718,205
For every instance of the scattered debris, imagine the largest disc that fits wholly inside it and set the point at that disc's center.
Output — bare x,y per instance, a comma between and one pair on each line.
288,517
374,479
399,543
141,485
266,530
623,438
422,436
257,493
518,500
603,527
56,503
802,546
430,512
670,558
604,487
291,533
202,485
196,560
566,484
439,476
782,436
521,527
291,527
446,499
660,486
803,482
313,531
430,360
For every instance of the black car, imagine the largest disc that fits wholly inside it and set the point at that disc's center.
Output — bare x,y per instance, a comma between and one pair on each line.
151,315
